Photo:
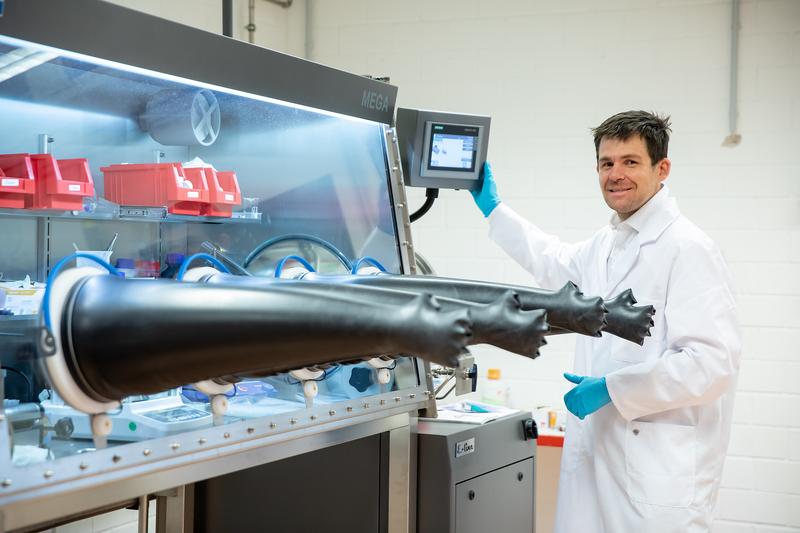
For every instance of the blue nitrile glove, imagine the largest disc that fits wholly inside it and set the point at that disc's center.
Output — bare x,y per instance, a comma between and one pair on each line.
590,395
487,198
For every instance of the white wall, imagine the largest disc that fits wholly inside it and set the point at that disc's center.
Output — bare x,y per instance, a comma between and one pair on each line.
548,71
276,28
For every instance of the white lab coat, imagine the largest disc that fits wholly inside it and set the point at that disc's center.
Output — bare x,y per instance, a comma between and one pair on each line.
651,461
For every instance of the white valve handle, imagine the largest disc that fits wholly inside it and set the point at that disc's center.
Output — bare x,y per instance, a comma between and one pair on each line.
384,376
101,425
219,404
310,389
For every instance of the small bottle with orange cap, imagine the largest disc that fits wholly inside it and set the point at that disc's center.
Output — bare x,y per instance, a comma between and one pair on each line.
496,391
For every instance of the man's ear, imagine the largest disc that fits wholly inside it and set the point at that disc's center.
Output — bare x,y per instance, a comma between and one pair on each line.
664,167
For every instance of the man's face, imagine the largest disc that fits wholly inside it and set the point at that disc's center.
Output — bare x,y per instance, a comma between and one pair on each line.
628,179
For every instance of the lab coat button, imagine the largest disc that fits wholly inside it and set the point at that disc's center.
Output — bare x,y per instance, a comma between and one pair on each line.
636,431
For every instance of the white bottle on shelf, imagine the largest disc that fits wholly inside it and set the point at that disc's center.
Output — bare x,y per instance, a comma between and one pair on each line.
496,391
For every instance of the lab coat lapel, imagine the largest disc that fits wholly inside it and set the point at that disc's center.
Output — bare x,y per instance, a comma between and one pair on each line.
622,265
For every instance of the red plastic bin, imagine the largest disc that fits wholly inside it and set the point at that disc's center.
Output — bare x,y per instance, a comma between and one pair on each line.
17,181
157,184
39,181
61,184
224,193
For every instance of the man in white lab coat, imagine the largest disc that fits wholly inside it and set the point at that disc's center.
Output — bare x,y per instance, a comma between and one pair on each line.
649,425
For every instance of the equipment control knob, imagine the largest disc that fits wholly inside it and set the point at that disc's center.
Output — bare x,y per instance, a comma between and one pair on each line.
529,429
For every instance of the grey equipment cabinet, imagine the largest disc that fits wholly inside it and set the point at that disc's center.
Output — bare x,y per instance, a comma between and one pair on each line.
476,478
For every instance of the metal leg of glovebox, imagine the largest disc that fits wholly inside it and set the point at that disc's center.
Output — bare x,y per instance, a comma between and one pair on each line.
175,510
144,513
402,486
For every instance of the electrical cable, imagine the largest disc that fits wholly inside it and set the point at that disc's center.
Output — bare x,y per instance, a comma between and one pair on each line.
369,260
211,259
298,237
430,196
54,272
282,262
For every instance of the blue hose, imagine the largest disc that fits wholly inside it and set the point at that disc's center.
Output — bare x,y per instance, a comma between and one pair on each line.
210,258
282,262
52,276
369,260
298,237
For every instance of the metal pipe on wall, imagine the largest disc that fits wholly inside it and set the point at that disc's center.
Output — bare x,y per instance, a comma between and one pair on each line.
251,16
251,21
734,137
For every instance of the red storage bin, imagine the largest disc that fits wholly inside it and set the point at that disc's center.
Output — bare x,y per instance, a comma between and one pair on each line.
17,181
61,184
224,193
157,184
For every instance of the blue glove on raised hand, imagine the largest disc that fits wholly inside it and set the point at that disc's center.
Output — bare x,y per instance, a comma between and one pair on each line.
590,395
487,198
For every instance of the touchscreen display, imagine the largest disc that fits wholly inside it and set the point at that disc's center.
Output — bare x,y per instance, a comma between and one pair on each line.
453,147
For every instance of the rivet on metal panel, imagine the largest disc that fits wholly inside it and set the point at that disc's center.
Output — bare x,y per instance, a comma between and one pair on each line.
117,458
201,440
251,430
383,402
226,435
349,409
175,445
146,452
366,405
313,417
395,168
293,421
48,473
272,425
412,396
400,206
6,482
394,139
397,398
332,412
83,466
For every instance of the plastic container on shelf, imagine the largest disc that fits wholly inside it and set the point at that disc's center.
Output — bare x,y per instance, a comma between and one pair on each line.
174,262
61,184
182,191
224,193
103,255
17,183
39,181
126,266
147,269
496,391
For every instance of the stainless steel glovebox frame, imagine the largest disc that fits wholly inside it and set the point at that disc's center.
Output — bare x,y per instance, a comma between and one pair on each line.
73,486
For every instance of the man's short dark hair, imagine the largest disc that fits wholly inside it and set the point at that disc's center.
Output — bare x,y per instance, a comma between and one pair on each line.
653,128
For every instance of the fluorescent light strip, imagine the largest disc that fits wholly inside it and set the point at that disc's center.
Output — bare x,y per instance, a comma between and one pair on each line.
170,77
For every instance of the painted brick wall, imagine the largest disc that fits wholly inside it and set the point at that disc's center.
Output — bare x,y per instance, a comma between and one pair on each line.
276,28
548,71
